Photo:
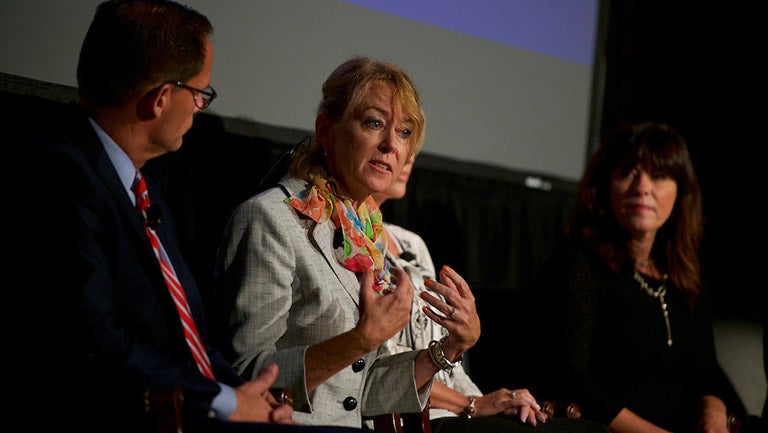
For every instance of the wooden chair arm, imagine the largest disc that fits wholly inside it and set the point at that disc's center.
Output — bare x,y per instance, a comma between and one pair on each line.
572,410
561,409
163,407
413,422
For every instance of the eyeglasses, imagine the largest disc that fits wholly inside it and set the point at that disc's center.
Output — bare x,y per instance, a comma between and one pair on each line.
203,97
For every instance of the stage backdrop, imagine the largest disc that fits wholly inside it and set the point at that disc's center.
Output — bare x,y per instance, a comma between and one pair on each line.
507,83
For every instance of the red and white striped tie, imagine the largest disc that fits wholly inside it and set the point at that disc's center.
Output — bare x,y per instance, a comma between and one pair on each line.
174,286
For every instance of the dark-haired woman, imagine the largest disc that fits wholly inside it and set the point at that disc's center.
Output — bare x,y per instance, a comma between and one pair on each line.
625,301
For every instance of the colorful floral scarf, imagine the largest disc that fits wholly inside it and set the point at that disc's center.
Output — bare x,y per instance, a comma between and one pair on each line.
364,238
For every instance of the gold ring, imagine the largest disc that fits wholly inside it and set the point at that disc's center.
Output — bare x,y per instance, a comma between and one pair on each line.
282,395
453,313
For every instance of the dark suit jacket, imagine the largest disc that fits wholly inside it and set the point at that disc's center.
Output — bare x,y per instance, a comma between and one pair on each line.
102,325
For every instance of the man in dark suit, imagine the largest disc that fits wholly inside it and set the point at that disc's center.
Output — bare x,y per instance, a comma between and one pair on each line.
103,339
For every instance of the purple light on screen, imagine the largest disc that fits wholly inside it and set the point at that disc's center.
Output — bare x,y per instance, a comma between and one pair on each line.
561,28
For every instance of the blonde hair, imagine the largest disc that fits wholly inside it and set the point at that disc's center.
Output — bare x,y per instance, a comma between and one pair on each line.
343,93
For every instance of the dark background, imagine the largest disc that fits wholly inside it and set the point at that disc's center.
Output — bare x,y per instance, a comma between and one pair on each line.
690,64
695,66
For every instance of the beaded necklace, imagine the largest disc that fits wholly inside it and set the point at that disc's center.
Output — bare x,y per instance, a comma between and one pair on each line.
659,294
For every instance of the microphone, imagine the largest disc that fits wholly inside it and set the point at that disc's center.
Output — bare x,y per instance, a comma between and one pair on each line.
338,238
153,216
278,168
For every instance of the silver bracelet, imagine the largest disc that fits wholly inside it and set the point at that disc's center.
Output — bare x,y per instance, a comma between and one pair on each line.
438,356
469,412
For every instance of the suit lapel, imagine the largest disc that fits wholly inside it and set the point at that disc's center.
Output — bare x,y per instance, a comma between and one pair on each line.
97,156
321,237
94,150
102,165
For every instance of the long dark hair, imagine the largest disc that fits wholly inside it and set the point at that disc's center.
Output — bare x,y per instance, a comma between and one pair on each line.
656,148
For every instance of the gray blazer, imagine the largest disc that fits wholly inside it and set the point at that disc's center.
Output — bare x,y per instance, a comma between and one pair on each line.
282,291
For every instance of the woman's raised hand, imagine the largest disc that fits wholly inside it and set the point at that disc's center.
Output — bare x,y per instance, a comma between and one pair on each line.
383,316
457,314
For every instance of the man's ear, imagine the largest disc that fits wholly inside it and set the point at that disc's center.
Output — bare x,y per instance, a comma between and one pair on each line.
153,103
